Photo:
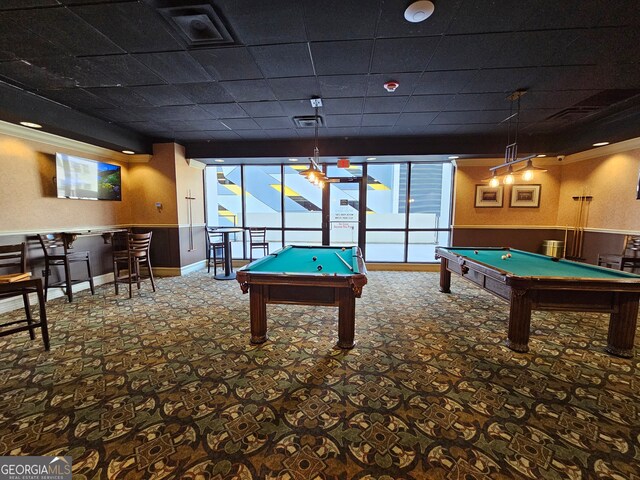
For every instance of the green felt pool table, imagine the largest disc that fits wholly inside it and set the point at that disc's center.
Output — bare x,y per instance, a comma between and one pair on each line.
529,281
291,275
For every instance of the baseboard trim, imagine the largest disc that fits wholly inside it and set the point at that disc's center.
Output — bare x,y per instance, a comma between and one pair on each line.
10,304
179,271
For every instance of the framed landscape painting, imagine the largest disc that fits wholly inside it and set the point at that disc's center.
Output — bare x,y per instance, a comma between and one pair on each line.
525,196
489,197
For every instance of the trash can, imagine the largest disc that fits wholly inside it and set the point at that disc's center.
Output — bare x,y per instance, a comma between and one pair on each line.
552,248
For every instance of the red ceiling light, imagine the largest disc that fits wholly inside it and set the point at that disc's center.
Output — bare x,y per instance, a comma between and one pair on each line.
391,86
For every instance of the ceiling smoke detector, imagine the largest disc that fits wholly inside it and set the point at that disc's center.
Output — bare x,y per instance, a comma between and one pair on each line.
391,86
419,11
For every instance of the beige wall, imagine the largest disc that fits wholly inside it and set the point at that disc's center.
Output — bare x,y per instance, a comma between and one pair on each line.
28,195
189,179
612,181
465,212
152,182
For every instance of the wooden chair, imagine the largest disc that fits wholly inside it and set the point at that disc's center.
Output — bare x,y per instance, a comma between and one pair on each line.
629,258
13,262
258,239
57,253
130,253
215,250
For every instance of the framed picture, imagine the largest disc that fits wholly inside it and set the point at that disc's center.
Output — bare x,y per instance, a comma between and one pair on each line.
638,191
525,196
489,197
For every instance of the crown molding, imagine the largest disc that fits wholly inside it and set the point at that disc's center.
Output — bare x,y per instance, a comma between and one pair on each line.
607,150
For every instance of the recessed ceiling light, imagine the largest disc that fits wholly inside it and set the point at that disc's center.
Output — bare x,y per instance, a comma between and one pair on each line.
600,144
293,159
542,155
418,11
30,124
453,157
219,160
129,152
371,158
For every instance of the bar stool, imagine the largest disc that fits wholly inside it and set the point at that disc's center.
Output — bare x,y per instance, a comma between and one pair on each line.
134,255
57,253
258,239
19,283
215,251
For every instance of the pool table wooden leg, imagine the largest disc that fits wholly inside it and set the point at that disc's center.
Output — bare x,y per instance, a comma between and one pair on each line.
519,321
258,309
346,317
445,277
622,326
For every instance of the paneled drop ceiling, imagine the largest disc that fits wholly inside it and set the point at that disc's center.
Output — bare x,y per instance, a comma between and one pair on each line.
228,77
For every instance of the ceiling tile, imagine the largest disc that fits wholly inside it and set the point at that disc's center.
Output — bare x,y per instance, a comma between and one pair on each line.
494,16
292,60
271,123
428,103
249,90
11,4
262,109
498,80
342,132
297,107
14,46
379,119
256,22
32,76
398,55
294,88
171,113
124,70
343,120
340,106
253,134
204,125
67,31
334,19
76,98
128,25
393,24
120,97
464,52
174,67
231,63
281,133
162,95
471,116
354,57
209,92
393,104
225,110
240,123
445,82
416,118
343,86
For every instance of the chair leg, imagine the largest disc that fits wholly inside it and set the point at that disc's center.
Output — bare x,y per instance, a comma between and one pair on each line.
137,262
47,272
130,265
43,319
27,310
153,283
67,280
115,275
93,290
209,261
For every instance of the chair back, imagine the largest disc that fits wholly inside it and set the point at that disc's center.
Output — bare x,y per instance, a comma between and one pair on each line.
214,238
13,258
139,244
258,234
51,242
632,248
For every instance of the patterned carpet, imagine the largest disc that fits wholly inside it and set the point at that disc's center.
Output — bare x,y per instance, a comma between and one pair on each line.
166,386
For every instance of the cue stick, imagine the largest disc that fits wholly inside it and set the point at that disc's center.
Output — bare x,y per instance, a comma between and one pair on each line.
344,261
564,245
584,226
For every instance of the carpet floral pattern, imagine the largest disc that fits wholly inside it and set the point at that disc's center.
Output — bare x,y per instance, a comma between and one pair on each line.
167,386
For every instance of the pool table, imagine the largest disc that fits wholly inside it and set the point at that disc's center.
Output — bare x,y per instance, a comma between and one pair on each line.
529,281
291,275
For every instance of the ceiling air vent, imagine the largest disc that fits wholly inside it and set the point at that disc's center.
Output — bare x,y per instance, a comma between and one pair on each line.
594,104
308,121
198,25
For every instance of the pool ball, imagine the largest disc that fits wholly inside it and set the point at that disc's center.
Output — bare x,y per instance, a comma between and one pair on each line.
508,255
314,258
319,267
504,257
475,251
343,249
555,259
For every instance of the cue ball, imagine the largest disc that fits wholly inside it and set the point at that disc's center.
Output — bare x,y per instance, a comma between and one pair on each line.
504,257
314,258
319,267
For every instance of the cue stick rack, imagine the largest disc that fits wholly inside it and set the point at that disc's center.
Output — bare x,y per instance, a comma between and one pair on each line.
580,222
